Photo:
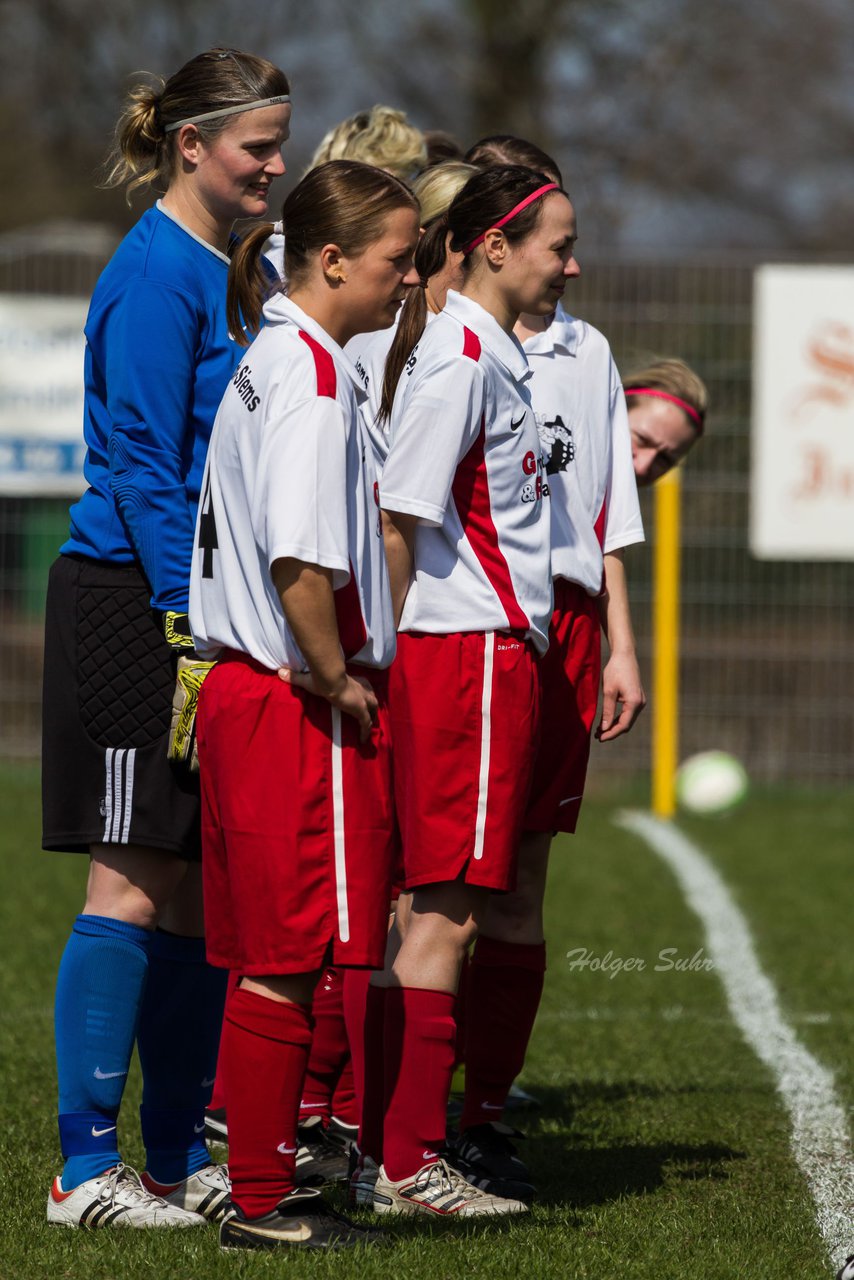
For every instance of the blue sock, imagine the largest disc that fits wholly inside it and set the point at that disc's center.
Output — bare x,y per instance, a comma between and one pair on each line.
178,1040
98,995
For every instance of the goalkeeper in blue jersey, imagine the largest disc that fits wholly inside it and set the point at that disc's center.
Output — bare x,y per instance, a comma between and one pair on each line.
158,358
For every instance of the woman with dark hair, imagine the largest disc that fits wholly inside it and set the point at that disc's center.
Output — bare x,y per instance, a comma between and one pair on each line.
290,593
468,546
580,411
159,355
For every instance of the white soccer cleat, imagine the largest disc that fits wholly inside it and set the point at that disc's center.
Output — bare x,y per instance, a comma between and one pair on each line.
439,1190
207,1191
115,1199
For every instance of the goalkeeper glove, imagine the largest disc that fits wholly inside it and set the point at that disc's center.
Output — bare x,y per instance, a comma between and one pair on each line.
191,671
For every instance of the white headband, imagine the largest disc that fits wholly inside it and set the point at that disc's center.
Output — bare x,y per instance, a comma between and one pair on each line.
230,111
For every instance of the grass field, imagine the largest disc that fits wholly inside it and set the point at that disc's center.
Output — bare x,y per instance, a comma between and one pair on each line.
662,1149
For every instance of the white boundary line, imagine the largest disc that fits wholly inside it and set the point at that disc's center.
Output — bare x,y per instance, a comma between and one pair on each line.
819,1137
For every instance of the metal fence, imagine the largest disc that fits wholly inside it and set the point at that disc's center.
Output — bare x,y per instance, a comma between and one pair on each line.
767,648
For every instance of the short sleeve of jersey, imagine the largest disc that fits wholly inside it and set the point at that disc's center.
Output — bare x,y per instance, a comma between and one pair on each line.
301,501
624,524
150,374
434,424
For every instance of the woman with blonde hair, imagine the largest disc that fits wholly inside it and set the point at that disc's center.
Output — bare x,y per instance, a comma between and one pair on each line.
667,403
382,136
158,357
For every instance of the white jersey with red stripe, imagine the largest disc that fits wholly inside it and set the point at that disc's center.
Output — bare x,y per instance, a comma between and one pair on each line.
290,473
369,352
465,459
580,410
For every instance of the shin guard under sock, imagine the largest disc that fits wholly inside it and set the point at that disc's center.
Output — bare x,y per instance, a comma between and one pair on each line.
263,1053
504,990
419,1062
99,990
178,1037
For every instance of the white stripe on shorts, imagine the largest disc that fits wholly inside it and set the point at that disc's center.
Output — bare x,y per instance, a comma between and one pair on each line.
485,737
338,828
118,794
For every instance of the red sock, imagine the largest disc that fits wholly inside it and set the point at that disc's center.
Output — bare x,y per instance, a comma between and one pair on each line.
330,1050
264,1049
460,1012
419,1045
373,1074
344,1106
504,991
218,1095
355,1011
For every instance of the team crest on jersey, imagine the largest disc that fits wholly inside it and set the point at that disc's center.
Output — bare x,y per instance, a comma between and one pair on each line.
557,442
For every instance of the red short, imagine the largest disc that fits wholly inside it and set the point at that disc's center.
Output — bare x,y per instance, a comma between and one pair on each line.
570,673
296,824
464,714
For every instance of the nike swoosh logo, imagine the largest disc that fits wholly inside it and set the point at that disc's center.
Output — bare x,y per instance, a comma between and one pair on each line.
490,1106
199,1128
107,1075
302,1232
206,1084
99,1133
568,800
286,1150
429,1155
514,426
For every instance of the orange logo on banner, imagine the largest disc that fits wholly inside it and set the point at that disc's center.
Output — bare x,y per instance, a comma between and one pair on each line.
831,353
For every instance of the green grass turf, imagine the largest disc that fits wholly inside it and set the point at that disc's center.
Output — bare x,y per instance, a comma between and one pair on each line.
661,1150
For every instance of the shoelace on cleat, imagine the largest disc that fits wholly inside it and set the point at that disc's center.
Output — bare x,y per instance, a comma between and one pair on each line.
218,1175
131,1188
450,1180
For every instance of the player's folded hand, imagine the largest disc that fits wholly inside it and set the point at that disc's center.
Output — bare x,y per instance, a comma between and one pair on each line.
185,700
355,697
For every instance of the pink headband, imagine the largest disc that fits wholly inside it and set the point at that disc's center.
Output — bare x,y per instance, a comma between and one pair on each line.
663,395
523,204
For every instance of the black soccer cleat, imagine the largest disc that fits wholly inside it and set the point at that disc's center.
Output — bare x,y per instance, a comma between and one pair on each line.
487,1159
321,1158
302,1220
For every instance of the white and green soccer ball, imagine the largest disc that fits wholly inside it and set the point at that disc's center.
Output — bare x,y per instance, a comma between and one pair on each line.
711,782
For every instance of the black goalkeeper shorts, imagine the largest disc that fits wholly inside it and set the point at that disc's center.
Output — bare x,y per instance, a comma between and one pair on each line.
109,676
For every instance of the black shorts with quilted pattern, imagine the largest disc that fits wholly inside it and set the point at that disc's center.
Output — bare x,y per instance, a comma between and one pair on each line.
109,676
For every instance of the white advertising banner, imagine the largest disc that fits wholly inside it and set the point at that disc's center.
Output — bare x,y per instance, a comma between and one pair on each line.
802,467
41,395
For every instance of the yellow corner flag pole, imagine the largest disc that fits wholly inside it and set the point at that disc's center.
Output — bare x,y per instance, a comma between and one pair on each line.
665,644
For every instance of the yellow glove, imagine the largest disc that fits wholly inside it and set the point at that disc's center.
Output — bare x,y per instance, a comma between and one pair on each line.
182,733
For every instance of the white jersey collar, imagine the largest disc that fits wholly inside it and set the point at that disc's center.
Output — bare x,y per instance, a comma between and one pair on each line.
280,308
506,347
562,333
198,239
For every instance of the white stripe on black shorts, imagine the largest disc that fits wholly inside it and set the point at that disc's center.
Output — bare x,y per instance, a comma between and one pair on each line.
108,682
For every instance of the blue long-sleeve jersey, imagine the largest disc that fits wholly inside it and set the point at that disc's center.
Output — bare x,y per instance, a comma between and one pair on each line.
158,359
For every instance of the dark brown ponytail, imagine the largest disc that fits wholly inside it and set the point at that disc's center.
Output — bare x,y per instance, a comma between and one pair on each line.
248,285
430,256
